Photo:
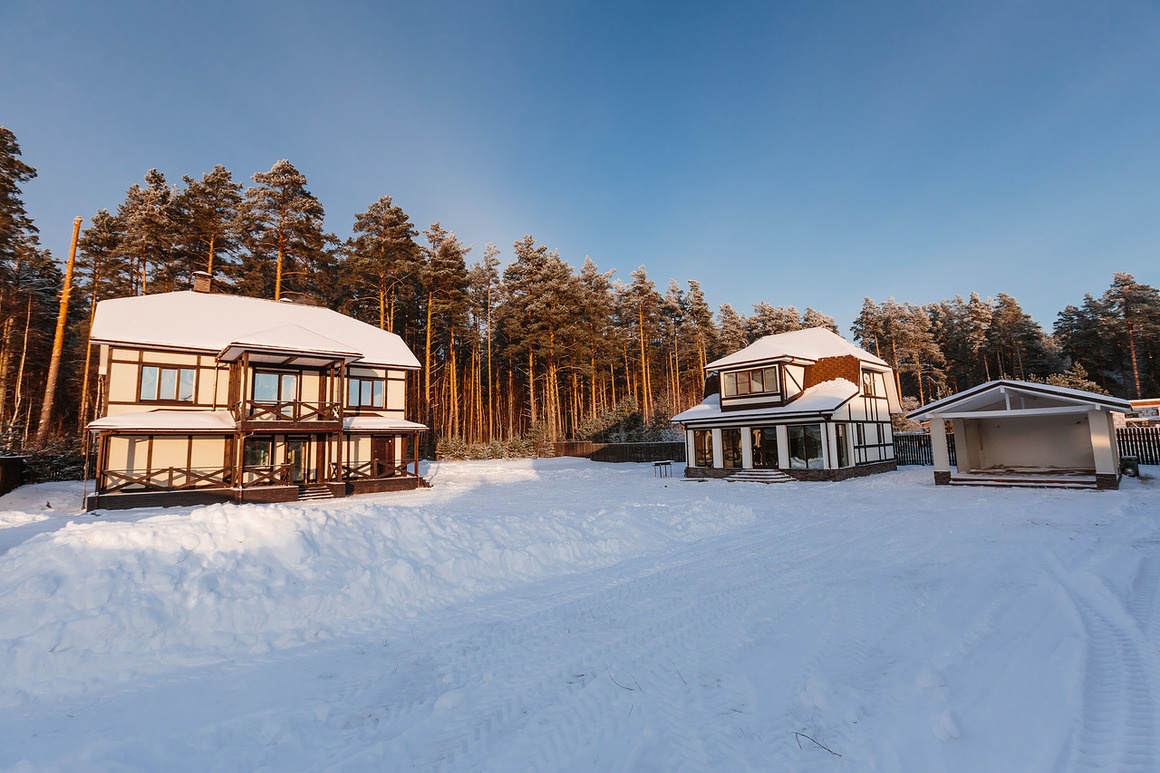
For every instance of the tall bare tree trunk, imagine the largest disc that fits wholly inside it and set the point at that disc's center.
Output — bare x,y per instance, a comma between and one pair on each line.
58,340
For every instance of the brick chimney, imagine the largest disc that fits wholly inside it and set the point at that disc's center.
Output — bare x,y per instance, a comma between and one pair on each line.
202,282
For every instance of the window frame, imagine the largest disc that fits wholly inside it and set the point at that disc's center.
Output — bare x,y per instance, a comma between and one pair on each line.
805,438
702,452
183,376
732,455
732,381
363,382
281,376
258,443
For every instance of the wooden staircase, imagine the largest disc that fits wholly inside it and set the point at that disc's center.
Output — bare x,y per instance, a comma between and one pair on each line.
759,476
313,492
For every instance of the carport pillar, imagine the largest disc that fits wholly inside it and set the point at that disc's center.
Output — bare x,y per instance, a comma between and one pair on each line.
938,451
1103,444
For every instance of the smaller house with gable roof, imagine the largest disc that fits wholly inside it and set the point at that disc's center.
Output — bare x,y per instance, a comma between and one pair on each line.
206,397
806,405
1017,433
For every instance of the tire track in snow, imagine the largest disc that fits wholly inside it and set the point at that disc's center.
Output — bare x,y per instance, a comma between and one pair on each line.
1118,727
692,636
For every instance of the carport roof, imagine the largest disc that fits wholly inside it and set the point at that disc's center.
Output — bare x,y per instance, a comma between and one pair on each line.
1008,397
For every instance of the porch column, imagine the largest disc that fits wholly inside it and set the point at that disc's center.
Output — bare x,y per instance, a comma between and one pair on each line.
746,448
782,447
718,450
939,452
1103,442
415,447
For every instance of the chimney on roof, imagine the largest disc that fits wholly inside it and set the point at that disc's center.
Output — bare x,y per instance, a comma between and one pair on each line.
202,282
712,384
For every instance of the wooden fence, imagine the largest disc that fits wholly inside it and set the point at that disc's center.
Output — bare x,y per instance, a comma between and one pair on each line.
1141,442
624,452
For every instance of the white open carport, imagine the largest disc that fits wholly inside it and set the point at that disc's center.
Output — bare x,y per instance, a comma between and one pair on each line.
1014,433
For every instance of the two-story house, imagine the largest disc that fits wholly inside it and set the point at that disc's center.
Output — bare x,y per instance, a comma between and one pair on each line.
807,404
206,397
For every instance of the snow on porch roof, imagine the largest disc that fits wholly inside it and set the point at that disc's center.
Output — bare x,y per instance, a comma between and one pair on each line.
289,339
817,401
1047,398
380,424
811,344
166,421
210,322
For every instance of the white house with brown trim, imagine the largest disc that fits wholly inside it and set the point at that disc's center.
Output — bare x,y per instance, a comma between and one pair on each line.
1017,433
206,397
807,404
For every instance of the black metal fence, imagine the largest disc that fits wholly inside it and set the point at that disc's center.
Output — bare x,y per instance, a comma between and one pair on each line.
914,448
1141,442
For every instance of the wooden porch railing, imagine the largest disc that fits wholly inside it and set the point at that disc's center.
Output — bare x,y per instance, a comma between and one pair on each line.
364,470
179,478
268,475
164,479
289,411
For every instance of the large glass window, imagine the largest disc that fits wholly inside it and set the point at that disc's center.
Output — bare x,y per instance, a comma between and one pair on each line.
805,447
840,436
275,387
702,448
731,448
764,448
751,382
257,452
366,393
162,383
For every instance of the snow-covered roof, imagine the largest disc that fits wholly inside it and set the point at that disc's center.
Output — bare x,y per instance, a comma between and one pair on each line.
380,424
167,421
212,322
809,345
289,339
819,400
1018,397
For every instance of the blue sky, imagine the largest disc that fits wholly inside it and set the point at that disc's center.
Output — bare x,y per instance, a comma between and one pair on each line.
799,153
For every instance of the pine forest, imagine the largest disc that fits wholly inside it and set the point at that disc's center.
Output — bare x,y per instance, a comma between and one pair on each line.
514,355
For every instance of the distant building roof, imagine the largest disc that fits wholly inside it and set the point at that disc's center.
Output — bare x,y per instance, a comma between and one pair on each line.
212,322
805,346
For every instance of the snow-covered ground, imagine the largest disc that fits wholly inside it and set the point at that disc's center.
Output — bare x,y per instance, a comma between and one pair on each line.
569,615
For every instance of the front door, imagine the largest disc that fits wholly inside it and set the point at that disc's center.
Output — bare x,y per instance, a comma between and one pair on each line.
382,457
296,449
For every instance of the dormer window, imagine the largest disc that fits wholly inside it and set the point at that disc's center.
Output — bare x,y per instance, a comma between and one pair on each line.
873,384
759,381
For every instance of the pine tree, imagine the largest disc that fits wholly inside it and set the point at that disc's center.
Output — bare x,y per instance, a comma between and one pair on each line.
444,281
17,230
146,219
701,317
771,320
382,261
978,328
732,333
1136,307
869,328
282,231
206,216
814,318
